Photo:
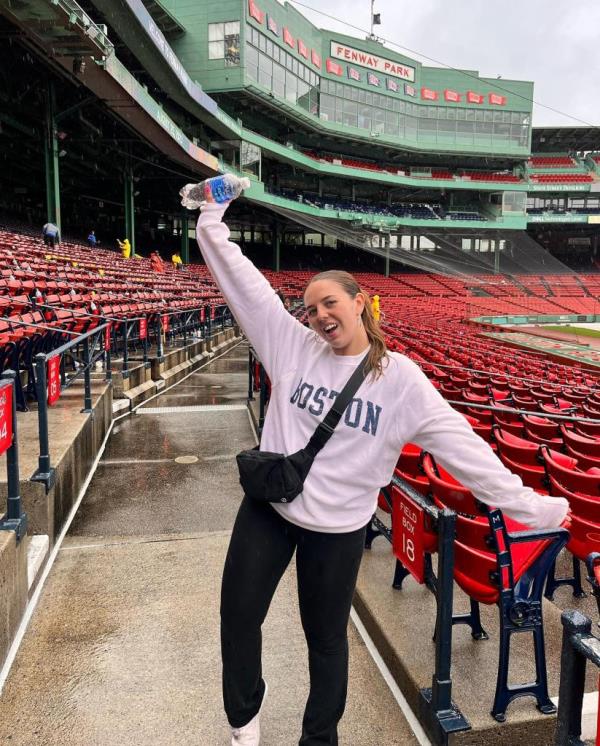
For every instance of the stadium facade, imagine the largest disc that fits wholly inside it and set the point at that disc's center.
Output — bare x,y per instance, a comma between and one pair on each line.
348,142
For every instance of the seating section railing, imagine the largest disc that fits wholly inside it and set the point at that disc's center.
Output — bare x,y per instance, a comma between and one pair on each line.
52,377
579,647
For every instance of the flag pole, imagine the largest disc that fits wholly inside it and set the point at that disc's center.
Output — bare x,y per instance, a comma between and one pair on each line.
372,7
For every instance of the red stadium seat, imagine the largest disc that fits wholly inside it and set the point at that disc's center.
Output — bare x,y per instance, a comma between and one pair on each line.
498,562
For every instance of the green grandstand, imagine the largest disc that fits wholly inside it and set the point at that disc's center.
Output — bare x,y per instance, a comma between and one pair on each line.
341,136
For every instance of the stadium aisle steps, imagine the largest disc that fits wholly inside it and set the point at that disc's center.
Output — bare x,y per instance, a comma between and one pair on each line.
123,645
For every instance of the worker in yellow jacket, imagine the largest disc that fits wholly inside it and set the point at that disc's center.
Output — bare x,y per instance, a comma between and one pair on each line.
375,307
125,247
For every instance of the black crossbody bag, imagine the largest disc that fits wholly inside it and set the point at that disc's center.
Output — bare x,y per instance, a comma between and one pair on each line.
276,478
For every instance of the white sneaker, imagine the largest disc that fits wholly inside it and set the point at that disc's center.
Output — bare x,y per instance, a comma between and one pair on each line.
249,734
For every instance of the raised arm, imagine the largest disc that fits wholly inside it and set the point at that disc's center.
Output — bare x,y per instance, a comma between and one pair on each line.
446,434
275,335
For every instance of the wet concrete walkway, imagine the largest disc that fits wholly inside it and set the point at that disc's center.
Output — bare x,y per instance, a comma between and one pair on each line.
123,645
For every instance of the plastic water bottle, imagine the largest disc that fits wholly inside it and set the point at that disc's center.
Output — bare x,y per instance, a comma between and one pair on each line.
218,189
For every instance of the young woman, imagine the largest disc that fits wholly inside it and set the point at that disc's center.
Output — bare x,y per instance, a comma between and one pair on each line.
325,525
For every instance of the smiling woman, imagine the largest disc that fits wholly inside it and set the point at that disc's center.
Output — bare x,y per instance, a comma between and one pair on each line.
340,311
325,524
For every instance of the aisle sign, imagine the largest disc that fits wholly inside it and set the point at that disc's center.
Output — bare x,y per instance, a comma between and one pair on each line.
143,328
408,520
107,333
165,323
53,379
6,421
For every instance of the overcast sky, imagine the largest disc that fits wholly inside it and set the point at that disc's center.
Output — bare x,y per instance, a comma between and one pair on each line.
554,43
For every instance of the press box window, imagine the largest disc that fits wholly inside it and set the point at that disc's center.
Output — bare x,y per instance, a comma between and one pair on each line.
224,42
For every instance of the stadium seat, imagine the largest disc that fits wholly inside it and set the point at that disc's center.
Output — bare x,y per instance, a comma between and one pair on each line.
498,561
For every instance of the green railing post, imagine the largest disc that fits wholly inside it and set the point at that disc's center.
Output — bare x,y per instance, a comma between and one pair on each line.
159,344
125,350
44,473
87,378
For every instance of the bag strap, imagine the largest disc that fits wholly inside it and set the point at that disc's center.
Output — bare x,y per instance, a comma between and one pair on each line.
325,428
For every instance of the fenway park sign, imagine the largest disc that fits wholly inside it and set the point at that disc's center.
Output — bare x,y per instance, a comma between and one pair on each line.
372,61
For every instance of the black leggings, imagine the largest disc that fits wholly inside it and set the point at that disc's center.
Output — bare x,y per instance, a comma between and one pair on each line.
261,547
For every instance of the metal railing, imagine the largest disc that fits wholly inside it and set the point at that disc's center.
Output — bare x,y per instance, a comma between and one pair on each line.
14,519
257,381
502,409
97,344
441,715
579,646
85,350
182,322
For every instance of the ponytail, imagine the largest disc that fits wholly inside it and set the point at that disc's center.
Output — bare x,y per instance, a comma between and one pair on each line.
378,351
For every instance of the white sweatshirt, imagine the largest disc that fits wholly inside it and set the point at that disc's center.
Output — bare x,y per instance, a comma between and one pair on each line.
340,492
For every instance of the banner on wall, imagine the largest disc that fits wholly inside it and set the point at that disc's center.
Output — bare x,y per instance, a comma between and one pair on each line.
409,90
428,95
255,11
333,67
453,96
302,48
474,98
288,38
353,73
315,58
372,61
272,25
391,85
373,79
496,99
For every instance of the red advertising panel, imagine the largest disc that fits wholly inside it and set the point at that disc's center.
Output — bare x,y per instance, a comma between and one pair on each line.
474,98
255,11
408,520
315,58
165,322
333,67
272,25
6,418
302,48
107,333
496,99
428,94
288,38
453,96
143,328
53,374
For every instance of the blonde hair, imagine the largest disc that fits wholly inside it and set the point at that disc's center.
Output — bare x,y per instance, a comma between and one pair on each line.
378,351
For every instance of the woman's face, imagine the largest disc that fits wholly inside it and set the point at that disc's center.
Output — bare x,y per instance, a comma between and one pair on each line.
335,316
